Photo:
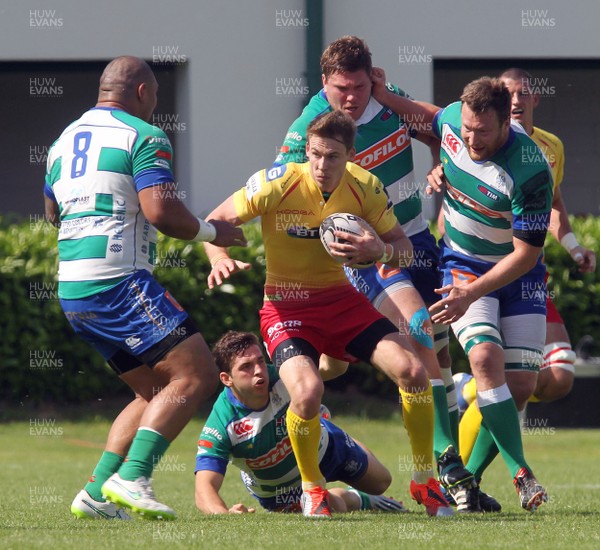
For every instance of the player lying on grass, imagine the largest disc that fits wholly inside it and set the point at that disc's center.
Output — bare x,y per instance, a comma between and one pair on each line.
247,425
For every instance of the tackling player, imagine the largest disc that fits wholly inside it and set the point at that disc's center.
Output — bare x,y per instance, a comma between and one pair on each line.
247,427
497,211
109,186
555,379
311,308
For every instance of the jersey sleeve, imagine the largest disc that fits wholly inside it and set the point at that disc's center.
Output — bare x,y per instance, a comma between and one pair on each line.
214,446
260,192
531,205
448,115
152,159
379,209
560,163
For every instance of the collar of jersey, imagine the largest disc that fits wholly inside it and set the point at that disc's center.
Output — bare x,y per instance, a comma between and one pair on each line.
372,110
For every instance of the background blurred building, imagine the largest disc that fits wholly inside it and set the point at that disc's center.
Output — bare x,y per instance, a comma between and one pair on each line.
234,74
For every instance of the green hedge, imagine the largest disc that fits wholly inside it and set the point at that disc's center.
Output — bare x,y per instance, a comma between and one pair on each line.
42,360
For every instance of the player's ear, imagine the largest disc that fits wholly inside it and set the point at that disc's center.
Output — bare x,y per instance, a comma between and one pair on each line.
141,91
226,379
536,100
351,154
323,80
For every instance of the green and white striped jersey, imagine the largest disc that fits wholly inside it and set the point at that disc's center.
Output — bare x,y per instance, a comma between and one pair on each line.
486,202
383,147
256,442
94,172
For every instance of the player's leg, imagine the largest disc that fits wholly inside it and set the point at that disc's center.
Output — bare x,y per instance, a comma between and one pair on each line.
90,502
556,376
393,355
330,368
186,376
349,461
424,273
297,362
405,308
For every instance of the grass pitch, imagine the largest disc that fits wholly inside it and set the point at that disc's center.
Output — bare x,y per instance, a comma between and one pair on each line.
45,462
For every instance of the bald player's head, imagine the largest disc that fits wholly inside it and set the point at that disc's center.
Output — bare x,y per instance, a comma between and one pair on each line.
128,83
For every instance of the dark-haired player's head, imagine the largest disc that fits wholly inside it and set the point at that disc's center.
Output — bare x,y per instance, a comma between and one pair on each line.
329,146
485,114
346,74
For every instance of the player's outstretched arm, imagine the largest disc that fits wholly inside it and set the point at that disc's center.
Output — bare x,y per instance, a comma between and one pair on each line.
165,211
208,500
222,264
561,230
415,113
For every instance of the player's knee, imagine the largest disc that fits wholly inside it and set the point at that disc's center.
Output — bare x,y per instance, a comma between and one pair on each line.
554,383
382,481
472,335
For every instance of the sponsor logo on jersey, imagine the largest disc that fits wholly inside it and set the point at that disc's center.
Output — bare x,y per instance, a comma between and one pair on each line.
276,172
451,144
386,115
284,149
295,211
293,135
243,427
253,185
384,150
487,192
161,162
212,431
281,451
164,154
302,232
161,140
205,443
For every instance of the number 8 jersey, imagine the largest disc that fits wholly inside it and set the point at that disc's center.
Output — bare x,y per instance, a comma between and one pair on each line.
94,172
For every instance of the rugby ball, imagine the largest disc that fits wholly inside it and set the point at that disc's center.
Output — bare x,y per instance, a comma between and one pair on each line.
346,223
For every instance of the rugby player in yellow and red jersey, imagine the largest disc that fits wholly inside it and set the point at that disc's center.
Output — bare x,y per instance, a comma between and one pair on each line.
310,307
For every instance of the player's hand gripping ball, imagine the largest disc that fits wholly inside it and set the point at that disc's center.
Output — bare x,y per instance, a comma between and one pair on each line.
346,223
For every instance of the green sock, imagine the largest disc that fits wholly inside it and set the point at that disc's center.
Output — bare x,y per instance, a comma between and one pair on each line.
454,419
502,421
442,434
365,501
483,453
144,454
108,464
453,413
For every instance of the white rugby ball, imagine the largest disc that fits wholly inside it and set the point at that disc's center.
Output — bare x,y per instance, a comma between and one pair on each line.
346,223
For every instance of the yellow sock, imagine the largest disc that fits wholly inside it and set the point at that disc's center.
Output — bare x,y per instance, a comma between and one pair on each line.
469,391
305,436
468,430
417,413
